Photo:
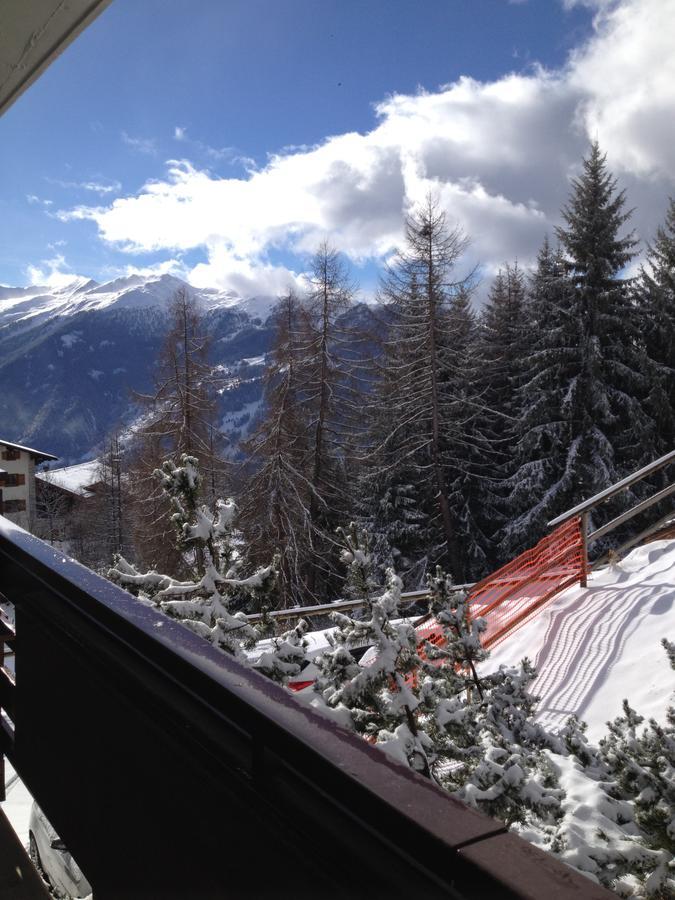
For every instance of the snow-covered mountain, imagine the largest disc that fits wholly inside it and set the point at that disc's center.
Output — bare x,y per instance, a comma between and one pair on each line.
71,357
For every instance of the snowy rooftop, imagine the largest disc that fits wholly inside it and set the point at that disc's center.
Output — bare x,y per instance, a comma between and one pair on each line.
39,455
75,479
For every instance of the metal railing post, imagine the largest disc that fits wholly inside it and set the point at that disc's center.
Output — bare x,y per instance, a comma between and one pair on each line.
583,581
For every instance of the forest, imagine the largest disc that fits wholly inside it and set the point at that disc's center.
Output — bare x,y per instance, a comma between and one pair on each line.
452,434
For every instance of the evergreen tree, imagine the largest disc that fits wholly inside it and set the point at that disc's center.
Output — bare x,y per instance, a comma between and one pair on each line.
505,344
642,762
504,348
206,542
536,490
601,405
392,503
582,419
655,294
377,697
410,456
286,655
470,443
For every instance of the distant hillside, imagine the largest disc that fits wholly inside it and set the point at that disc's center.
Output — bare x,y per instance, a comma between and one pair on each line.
70,358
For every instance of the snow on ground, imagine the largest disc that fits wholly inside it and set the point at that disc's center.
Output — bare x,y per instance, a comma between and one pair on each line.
594,647
17,804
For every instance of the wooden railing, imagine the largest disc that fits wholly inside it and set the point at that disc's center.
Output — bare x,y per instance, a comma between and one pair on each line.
171,770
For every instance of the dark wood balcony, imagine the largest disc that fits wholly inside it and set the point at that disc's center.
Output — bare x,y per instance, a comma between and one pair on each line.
173,771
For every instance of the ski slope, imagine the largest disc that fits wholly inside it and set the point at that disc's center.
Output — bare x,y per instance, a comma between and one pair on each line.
595,646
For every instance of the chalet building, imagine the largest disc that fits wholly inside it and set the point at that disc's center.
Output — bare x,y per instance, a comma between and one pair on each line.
59,494
17,481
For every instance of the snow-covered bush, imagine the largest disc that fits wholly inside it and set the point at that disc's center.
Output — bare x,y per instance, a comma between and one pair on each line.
609,811
285,657
205,537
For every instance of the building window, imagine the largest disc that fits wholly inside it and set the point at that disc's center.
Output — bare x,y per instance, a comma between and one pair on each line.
8,479
14,506
10,453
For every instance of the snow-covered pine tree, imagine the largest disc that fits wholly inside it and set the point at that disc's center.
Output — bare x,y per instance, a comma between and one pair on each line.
619,827
357,556
418,373
582,417
506,340
536,489
205,540
378,698
655,297
275,499
391,502
641,759
470,445
601,404
286,655
514,779
490,752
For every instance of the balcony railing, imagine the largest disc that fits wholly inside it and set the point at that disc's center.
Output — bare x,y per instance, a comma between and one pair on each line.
173,771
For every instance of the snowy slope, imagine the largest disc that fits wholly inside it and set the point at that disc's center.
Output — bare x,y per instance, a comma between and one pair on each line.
86,295
71,358
594,647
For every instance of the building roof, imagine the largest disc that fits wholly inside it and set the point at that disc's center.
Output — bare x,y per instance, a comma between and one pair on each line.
32,36
39,455
80,479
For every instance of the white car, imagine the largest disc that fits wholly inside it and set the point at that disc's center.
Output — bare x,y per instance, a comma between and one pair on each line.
51,858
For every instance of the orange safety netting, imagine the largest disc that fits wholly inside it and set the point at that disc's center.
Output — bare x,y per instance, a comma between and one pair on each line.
507,598
510,596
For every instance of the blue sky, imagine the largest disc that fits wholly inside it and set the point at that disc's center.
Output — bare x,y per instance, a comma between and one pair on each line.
295,120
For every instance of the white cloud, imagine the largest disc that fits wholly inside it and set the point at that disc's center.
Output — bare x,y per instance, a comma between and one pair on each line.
166,267
33,199
498,154
219,154
51,273
102,187
630,67
140,145
99,187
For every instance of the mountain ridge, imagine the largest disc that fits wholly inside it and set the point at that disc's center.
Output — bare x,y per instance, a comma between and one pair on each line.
72,356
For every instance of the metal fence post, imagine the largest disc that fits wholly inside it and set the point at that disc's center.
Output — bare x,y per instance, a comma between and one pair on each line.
583,581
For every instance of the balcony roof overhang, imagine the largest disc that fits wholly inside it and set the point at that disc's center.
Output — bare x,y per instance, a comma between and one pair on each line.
33,34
